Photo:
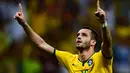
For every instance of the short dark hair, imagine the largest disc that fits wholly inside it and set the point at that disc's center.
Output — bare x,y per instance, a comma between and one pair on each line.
94,34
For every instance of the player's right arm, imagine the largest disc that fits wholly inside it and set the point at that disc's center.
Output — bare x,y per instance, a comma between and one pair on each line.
19,16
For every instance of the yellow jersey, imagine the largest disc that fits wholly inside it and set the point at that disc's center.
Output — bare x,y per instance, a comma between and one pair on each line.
97,63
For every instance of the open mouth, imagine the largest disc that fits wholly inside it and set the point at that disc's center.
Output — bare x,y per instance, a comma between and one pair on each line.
79,41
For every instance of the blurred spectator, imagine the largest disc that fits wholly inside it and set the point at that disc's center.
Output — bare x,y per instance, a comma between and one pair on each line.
83,4
12,28
64,17
31,66
122,51
110,12
125,9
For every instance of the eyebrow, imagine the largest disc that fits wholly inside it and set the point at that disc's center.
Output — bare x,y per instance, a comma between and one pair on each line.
84,33
81,33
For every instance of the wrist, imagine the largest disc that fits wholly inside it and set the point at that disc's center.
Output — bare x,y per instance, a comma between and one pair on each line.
104,24
24,24
103,21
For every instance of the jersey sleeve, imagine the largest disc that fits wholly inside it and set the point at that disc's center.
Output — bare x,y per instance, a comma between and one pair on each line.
63,57
105,60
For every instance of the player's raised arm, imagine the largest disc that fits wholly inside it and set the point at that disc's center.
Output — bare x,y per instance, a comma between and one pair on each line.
106,35
98,5
19,16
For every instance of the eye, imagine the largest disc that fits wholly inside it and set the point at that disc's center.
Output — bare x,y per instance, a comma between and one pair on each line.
77,34
84,34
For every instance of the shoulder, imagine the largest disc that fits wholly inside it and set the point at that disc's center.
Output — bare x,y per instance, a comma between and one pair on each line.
100,54
99,57
64,54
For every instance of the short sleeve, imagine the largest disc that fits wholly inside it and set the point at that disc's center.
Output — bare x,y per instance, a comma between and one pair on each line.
63,57
106,61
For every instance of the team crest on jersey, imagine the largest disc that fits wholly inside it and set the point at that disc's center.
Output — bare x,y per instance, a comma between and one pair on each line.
90,62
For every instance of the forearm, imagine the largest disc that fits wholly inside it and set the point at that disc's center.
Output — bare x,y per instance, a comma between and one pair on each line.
106,36
35,38
19,16
107,40
106,46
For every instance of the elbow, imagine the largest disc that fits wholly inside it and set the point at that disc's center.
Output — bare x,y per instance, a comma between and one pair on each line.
40,45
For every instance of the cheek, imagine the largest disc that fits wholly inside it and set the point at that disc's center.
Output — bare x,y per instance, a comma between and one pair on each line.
88,42
86,39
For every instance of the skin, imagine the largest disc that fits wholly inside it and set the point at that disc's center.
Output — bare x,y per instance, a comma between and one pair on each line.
83,40
85,44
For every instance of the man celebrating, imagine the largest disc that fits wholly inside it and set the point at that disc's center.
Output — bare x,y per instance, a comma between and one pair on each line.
86,61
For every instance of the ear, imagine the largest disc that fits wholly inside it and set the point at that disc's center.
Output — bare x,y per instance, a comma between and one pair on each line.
93,42
102,44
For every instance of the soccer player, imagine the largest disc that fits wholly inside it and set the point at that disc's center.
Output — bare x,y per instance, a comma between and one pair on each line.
87,60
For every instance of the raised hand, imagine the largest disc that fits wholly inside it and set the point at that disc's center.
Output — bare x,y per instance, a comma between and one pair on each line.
19,16
100,14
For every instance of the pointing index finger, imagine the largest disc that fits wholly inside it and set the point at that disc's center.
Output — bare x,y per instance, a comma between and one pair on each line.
98,5
20,7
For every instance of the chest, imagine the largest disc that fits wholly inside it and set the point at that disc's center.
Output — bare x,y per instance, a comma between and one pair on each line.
81,67
90,66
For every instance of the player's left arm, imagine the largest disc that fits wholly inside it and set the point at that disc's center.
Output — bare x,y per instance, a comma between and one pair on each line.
106,35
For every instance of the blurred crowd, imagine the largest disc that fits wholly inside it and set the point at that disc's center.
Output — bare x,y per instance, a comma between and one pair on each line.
57,21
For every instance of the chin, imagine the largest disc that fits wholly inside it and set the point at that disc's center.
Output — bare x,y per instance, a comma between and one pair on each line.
79,47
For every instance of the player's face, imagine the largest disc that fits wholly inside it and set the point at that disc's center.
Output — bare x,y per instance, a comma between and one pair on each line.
83,39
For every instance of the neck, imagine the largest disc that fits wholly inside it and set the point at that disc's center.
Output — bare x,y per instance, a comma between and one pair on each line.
85,54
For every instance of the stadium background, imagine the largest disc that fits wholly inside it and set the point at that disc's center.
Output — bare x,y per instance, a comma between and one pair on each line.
57,21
